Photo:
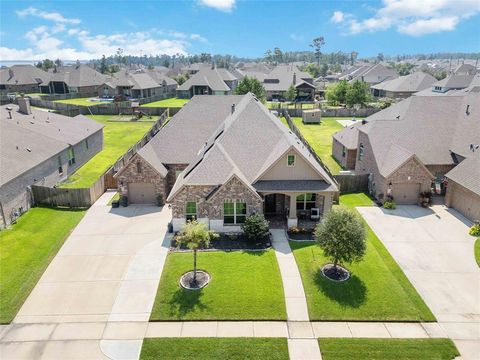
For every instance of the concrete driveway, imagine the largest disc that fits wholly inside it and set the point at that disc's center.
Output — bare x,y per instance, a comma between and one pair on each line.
433,248
98,291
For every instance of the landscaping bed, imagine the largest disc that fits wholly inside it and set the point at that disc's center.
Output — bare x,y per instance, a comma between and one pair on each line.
226,242
244,285
26,249
385,349
214,348
301,234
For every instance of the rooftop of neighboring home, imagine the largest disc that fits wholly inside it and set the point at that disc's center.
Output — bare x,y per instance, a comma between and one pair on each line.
467,173
451,85
30,139
23,75
373,74
139,79
414,82
246,144
283,76
79,75
213,78
465,69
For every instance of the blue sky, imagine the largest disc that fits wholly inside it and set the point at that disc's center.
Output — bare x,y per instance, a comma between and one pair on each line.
70,30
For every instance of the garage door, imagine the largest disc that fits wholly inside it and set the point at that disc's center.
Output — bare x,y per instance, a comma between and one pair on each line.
406,194
141,193
466,203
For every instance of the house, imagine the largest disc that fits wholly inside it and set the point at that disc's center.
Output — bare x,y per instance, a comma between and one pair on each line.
40,148
79,78
465,69
413,146
452,82
344,147
403,86
279,80
208,82
235,159
370,74
25,79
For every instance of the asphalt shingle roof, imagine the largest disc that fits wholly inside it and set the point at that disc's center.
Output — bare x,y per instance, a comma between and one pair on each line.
410,83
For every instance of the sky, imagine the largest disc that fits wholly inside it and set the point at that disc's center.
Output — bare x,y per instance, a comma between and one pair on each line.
86,29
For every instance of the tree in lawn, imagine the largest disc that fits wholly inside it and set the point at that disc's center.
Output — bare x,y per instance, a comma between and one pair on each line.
342,236
251,84
357,94
291,93
195,235
317,44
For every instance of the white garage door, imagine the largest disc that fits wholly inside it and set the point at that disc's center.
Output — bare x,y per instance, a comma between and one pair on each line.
466,203
406,194
141,193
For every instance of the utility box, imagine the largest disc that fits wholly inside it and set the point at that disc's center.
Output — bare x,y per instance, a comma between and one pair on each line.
311,116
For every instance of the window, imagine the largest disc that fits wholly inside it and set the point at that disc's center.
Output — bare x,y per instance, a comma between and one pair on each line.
344,151
191,211
291,160
234,213
361,152
60,167
86,144
306,201
139,167
71,156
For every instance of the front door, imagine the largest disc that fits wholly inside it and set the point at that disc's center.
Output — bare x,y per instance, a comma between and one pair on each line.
270,202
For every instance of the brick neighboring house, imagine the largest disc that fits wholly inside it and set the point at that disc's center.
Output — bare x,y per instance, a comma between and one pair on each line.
411,145
403,86
208,81
222,158
40,148
24,79
370,74
344,147
80,78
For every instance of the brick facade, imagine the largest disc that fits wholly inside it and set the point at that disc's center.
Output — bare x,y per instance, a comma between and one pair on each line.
172,175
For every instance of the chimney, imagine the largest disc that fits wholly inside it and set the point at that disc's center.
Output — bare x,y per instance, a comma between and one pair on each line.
294,79
24,105
233,108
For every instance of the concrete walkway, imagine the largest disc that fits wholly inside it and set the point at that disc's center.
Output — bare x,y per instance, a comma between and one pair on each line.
433,248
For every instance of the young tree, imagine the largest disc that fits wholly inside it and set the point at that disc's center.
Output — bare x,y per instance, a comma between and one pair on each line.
195,235
253,85
291,93
317,44
342,236
357,93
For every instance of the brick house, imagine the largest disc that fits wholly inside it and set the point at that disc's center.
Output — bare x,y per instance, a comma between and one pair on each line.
235,159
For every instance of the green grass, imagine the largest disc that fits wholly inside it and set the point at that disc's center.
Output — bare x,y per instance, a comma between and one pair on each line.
477,251
118,137
215,349
26,249
377,291
81,102
244,286
387,349
319,136
115,197
287,105
172,102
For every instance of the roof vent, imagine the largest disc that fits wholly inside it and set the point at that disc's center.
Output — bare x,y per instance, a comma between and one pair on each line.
398,117
233,108
24,105
467,111
363,122
473,148
29,150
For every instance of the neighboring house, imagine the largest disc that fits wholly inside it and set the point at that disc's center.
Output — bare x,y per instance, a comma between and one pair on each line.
208,81
403,86
370,74
413,145
25,79
192,69
452,82
234,158
277,82
344,147
80,78
465,69
40,148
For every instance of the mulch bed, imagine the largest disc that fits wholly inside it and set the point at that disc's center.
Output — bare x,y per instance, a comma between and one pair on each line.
227,242
302,236
341,274
186,281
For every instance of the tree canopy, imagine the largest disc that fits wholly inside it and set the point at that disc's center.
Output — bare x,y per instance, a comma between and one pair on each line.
253,85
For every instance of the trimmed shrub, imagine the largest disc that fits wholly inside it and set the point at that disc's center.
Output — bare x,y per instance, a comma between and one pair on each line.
389,204
475,230
255,228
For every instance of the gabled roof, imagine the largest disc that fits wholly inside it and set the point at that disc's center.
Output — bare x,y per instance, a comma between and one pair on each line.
373,74
282,76
467,173
454,81
79,76
23,75
465,69
348,136
414,82
213,78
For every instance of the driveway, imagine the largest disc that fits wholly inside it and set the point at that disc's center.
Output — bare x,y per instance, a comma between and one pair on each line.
99,289
433,248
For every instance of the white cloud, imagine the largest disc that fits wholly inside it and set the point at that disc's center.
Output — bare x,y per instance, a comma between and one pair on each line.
198,37
223,5
296,37
51,16
412,17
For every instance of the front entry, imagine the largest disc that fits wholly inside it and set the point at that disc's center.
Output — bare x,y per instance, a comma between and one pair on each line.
270,204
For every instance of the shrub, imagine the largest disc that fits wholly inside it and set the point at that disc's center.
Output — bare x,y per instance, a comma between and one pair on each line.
160,200
389,204
256,228
475,230
124,200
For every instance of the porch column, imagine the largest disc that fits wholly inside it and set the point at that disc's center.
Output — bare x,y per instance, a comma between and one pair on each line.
292,214
328,202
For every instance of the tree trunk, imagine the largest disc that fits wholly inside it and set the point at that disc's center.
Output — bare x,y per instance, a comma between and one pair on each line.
194,266
335,262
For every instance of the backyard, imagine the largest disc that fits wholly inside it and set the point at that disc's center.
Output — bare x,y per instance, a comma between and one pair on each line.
214,348
245,285
26,249
385,349
319,136
118,137
81,102
378,290
172,102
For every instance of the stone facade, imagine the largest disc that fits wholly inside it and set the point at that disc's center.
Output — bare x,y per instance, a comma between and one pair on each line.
147,174
172,174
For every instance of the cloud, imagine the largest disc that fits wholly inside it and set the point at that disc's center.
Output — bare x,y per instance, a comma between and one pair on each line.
411,17
198,37
51,16
222,5
296,37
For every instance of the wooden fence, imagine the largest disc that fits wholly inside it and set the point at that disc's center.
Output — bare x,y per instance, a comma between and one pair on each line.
352,182
343,112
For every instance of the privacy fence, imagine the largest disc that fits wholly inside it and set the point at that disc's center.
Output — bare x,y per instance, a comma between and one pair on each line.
85,197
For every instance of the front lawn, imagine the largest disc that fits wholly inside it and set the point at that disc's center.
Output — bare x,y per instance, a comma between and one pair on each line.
385,349
81,102
118,137
243,286
26,249
172,102
378,290
319,136
214,348
477,251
